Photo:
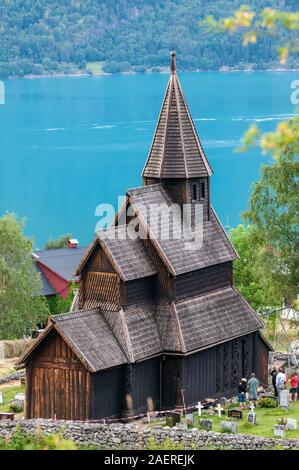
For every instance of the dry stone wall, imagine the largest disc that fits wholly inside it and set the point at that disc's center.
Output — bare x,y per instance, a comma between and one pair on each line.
136,436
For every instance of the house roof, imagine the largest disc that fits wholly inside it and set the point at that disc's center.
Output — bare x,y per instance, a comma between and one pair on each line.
89,336
216,247
102,340
47,288
127,256
214,318
62,261
176,151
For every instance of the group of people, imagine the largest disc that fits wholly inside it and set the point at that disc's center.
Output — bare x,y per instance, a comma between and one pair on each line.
280,381
249,387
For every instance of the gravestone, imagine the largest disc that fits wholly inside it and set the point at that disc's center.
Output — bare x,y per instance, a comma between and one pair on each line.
20,396
223,401
4,416
251,417
279,430
182,425
189,419
1,398
172,419
284,399
228,426
291,424
235,414
206,424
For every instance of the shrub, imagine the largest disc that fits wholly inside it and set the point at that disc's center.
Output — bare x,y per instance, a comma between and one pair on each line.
16,406
267,402
37,441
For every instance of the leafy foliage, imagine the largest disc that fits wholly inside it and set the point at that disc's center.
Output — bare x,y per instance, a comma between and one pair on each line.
21,304
248,270
268,272
57,304
268,21
37,441
60,242
267,403
52,36
273,212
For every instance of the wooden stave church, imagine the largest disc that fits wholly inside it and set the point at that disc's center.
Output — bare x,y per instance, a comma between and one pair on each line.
154,327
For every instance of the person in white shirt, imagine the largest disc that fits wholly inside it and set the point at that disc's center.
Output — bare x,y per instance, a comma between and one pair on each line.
280,382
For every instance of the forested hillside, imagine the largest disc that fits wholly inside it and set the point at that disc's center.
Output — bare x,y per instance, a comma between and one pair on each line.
54,36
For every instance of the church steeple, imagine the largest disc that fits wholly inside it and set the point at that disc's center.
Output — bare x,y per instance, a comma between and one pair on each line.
176,151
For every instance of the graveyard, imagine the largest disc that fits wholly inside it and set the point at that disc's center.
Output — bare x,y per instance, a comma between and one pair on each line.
265,420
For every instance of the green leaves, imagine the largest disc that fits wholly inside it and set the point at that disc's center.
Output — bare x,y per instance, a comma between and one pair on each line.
267,22
21,304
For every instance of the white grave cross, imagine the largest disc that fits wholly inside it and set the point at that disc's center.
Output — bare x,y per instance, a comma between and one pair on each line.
219,409
252,407
199,407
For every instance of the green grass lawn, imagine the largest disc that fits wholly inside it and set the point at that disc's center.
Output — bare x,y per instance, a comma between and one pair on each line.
96,68
8,395
266,419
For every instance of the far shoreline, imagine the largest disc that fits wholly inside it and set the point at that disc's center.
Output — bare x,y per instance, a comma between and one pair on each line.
162,72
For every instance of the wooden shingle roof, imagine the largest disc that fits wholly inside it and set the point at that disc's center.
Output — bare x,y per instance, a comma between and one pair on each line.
214,318
216,247
176,151
127,256
136,330
91,339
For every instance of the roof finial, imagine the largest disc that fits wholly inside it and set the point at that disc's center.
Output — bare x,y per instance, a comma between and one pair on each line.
172,63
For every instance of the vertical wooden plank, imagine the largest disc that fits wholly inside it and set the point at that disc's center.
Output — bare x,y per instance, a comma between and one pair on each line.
66,374
28,393
88,404
71,394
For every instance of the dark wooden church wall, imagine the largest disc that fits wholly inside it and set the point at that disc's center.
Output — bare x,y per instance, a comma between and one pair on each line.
218,370
57,383
107,393
177,190
98,261
140,291
203,280
199,378
100,290
171,369
165,286
260,358
146,384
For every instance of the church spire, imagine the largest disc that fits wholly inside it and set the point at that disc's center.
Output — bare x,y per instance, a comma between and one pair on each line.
176,151
172,64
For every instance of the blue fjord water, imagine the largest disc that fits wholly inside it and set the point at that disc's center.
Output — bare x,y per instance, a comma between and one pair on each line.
69,144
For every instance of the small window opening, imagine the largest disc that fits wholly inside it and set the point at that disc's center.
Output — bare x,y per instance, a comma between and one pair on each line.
194,192
202,191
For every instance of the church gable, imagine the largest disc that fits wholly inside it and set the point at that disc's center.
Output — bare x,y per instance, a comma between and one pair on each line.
216,247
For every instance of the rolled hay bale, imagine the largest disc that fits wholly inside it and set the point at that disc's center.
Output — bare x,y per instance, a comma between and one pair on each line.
16,347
